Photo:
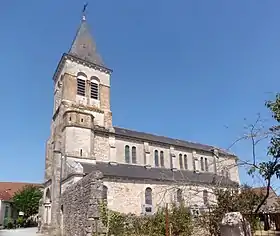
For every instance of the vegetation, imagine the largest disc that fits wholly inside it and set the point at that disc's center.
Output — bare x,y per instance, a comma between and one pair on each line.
20,221
120,224
27,200
244,200
269,168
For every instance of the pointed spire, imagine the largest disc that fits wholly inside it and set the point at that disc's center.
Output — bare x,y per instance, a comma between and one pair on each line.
84,46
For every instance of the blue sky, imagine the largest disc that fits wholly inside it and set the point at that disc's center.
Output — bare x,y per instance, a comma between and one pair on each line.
186,69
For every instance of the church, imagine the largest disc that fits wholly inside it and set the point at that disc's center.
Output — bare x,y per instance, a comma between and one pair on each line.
140,171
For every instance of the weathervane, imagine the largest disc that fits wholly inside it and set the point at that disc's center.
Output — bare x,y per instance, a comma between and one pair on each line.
84,11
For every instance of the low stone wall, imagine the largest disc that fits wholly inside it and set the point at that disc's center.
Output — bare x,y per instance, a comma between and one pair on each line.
234,224
80,206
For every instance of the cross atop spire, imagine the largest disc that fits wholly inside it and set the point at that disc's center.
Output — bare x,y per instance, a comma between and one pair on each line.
84,11
83,45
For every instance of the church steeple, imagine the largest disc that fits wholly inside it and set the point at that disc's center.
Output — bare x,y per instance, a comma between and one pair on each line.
84,46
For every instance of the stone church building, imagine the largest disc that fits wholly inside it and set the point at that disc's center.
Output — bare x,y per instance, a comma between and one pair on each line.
139,171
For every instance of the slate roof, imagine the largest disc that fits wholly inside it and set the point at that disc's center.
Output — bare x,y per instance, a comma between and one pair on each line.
158,174
166,140
84,46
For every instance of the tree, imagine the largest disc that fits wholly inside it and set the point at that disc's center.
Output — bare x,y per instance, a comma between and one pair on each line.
27,200
269,168
244,200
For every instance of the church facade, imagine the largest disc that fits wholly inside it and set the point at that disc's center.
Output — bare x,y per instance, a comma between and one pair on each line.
141,171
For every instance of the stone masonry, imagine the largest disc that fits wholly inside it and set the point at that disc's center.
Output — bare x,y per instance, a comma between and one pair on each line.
80,206
234,224
82,133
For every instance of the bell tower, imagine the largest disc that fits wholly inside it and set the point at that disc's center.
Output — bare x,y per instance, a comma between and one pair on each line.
82,80
81,99
81,106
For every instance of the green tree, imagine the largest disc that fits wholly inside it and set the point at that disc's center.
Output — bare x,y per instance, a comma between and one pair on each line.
269,168
27,200
243,200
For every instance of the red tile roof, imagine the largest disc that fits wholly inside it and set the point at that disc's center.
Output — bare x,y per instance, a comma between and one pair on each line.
4,195
262,190
8,189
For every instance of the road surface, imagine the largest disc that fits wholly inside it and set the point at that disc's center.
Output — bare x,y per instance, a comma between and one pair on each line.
20,232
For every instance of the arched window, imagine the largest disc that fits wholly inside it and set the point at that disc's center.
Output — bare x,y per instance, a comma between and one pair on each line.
181,161
179,195
94,88
206,164
186,161
205,197
81,75
48,201
161,159
222,172
148,196
105,193
48,196
81,83
127,156
201,164
156,158
134,155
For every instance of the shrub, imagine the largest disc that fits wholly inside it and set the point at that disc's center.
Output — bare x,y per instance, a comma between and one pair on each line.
20,221
127,225
10,224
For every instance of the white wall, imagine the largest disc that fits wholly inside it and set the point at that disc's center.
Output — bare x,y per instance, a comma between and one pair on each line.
129,197
77,139
2,212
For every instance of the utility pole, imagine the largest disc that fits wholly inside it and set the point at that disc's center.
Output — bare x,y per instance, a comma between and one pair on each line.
166,221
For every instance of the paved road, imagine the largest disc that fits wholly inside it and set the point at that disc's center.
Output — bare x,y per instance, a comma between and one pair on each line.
20,232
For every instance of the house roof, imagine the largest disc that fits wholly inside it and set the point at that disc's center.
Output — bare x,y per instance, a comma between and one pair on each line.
167,140
10,188
262,190
158,174
4,195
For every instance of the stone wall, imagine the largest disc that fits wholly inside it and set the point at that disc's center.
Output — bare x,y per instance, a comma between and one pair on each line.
101,147
129,196
48,160
223,163
80,209
234,224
